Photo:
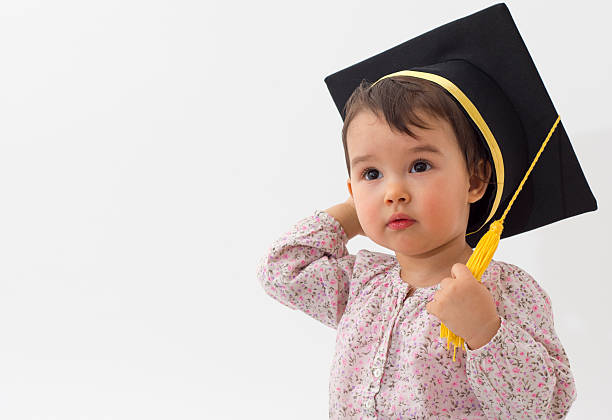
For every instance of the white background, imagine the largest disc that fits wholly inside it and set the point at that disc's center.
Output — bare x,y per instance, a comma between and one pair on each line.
151,151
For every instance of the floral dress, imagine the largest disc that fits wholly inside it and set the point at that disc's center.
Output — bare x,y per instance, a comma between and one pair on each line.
389,360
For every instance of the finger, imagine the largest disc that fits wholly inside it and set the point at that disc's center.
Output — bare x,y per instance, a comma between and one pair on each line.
460,270
445,282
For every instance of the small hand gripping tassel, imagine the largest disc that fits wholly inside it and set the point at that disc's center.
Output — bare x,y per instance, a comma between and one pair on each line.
477,264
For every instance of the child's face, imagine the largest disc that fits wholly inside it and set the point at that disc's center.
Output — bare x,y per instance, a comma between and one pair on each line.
433,188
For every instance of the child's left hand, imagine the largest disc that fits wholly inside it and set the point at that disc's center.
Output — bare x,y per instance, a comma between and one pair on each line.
466,307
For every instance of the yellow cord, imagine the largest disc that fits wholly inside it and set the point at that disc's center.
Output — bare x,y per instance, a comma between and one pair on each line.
483,253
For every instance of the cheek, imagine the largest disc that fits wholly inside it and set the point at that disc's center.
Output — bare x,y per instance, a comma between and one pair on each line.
368,211
433,206
443,202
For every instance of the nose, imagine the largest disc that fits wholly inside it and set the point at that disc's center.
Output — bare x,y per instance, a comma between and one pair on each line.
396,194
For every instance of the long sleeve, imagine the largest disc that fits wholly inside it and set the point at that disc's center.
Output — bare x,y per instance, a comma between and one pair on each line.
309,268
523,372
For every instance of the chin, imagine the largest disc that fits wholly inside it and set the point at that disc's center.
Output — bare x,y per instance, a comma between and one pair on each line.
411,251
402,249
412,247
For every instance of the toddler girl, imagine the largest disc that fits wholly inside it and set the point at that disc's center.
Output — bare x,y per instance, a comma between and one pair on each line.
433,154
390,361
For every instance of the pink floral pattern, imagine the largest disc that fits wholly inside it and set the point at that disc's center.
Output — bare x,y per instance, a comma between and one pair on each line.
390,362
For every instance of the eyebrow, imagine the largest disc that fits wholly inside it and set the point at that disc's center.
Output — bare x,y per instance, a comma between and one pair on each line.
418,149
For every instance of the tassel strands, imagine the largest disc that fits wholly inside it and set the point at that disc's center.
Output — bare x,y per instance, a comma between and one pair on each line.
486,247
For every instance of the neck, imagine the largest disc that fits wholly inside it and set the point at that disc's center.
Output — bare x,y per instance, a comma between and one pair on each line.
430,268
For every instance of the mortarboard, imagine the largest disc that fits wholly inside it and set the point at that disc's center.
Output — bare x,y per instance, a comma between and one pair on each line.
482,62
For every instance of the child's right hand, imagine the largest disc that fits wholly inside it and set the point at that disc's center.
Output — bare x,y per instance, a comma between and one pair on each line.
346,214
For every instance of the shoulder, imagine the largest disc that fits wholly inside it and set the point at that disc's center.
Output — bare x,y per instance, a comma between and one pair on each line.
370,263
511,282
503,274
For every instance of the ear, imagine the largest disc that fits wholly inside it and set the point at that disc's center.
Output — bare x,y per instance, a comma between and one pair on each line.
350,188
479,181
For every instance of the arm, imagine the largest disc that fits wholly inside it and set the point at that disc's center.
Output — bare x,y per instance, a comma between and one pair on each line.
309,268
523,371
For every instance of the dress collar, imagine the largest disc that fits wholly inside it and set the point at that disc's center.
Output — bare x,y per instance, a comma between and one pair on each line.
401,285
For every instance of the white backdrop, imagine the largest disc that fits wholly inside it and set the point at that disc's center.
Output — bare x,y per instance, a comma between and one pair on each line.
151,151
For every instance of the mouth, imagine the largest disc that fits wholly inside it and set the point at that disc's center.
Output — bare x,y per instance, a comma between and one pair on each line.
399,224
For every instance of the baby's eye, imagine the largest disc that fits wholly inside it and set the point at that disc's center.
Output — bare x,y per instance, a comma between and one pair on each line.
368,170
420,166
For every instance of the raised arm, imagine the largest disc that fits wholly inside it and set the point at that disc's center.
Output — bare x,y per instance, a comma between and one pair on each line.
309,268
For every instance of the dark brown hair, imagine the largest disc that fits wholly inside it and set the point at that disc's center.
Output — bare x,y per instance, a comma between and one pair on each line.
400,98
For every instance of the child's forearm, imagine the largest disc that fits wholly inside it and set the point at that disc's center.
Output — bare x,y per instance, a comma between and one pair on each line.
346,215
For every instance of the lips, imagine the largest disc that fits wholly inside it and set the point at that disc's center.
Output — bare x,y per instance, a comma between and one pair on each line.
400,216
400,224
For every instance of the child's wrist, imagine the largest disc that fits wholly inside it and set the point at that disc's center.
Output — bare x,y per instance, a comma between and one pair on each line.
488,333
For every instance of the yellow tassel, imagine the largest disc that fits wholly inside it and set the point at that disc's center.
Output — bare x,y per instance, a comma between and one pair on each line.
485,248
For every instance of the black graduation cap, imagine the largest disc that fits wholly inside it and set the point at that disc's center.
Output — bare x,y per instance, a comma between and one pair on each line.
483,64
